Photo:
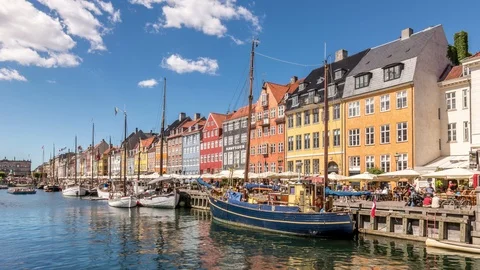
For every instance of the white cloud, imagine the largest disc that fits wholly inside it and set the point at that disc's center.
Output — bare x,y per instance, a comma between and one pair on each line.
29,36
181,65
51,81
148,83
7,74
207,16
236,40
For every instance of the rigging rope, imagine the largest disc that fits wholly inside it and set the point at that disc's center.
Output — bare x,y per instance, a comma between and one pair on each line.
288,62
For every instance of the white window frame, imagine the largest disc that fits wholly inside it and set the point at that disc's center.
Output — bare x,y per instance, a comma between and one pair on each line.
280,147
281,111
402,132
385,134
466,131
280,129
369,106
385,163
354,163
402,163
336,137
385,103
402,99
369,162
452,132
465,98
354,109
354,137
450,99
369,135
295,101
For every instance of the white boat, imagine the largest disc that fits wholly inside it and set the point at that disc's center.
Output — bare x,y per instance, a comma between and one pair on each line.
161,200
123,202
74,190
461,247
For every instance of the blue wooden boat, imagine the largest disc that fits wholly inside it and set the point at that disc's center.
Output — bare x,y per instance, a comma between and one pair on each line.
281,219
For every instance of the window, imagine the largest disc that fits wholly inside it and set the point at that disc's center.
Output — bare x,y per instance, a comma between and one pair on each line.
336,137
362,81
306,117
252,134
259,149
466,71
332,90
354,137
230,158
272,113
264,99
316,139
369,136
354,109
259,116
336,112
230,140
306,139
370,162
272,130
450,99
265,131
401,99
290,166
338,74
265,114
230,126
385,163
402,132
295,101
315,116
243,138
243,156
402,163
236,158
385,103
236,139
280,147
273,148
236,125
259,164
369,106
392,73
354,163
299,119
252,151
290,143
244,125
259,132
281,111
316,166
273,167
465,98
466,134
290,121
306,164
301,87
452,132
298,145
280,129
385,134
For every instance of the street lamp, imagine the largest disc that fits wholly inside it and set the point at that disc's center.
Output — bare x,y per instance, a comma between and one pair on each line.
397,156
299,168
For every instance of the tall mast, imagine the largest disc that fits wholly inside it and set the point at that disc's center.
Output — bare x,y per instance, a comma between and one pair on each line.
93,148
67,171
138,166
43,162
249,116
325,133
110,159
53,173
125,156
75,160
162,129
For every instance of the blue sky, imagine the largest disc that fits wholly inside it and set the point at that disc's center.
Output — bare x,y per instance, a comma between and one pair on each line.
54,82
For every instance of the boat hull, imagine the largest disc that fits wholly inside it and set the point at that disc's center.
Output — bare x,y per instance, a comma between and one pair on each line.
324,225
21,191
161,201
104,194
74,191
123,202
452,246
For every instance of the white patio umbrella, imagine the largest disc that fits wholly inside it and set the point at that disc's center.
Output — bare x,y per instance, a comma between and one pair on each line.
363,176
207,175
401,174
269,175
289,174
253,175
238,174
334,176
456,173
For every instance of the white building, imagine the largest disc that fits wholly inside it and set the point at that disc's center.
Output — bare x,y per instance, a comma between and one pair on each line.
473,65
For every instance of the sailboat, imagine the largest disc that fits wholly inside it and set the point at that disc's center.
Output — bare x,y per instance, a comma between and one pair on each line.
74,189
294,220
53,187
159,199
116,200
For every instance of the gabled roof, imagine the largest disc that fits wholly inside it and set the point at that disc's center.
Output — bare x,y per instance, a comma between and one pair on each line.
219,118
201,122
109,150
279,90
453,73
147,142
241,112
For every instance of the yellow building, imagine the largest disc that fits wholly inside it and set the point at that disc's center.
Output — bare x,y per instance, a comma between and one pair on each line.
391,104
304,141
143,152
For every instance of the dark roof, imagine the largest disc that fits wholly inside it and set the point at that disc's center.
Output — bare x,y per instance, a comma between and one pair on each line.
314,80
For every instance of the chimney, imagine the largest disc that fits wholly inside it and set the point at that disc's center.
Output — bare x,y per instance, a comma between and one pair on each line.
406,33
340,55
196,116
181,116
294,79
136,130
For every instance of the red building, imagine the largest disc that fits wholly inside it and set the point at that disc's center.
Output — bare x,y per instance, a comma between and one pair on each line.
211,144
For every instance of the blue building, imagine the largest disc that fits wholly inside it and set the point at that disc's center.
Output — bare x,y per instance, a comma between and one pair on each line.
191,145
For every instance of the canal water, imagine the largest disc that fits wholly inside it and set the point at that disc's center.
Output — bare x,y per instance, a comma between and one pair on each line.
48,231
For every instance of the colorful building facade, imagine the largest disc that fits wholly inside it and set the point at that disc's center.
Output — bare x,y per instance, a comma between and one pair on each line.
211,144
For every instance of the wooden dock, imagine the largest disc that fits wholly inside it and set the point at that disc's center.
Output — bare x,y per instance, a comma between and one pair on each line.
195,198
393,219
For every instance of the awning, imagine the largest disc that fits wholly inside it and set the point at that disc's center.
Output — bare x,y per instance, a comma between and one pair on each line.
160,179
445,162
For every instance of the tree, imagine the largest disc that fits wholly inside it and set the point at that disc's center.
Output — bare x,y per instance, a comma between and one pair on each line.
375,170
460,40
2,174
452,54
37,175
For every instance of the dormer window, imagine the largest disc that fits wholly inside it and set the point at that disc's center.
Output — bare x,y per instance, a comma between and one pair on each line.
320,80
301,87
362,80
466,71
392,72
332,90
339,73
295,101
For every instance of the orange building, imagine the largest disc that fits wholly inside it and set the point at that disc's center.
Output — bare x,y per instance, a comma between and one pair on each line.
267,137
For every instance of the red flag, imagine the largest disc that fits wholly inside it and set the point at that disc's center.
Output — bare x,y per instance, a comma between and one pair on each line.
374,208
